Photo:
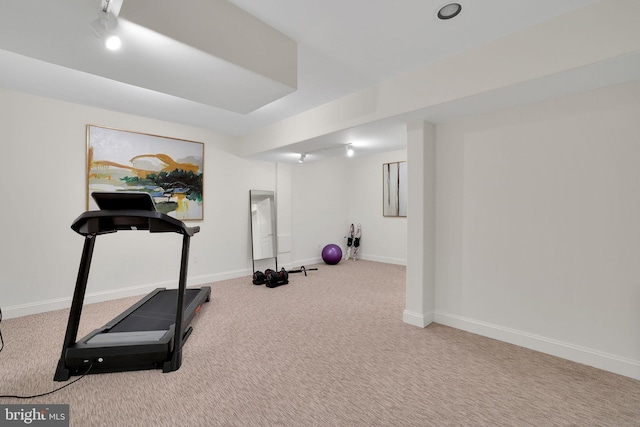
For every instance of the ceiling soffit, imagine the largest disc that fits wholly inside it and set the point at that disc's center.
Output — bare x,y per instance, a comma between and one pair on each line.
209,52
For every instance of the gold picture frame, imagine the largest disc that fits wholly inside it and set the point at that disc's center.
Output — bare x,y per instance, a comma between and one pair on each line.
170,169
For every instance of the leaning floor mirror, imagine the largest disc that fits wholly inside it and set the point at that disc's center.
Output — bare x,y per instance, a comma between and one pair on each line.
264,247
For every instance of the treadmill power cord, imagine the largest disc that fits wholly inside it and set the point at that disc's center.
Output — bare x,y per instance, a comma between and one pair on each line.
9,396
1,339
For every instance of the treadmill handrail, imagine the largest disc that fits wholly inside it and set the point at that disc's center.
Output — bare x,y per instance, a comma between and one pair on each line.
111,221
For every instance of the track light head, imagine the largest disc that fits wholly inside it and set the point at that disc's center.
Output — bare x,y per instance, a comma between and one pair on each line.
104,25
349,150
302,157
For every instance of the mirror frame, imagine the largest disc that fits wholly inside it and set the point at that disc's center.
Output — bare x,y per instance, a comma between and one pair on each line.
268,262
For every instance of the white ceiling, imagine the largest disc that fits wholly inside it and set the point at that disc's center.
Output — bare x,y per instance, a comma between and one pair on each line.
343,47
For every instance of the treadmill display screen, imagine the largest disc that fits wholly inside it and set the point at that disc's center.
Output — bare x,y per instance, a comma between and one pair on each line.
118,201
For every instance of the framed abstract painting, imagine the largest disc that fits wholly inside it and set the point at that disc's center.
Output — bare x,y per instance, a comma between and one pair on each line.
394,189
169,169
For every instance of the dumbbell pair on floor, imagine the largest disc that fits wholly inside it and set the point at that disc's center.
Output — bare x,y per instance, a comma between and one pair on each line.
271,278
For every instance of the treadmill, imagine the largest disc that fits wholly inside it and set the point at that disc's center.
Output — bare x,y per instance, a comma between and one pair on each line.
151,333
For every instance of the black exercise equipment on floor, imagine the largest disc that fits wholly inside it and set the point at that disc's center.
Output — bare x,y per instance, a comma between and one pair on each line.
301,270
144,336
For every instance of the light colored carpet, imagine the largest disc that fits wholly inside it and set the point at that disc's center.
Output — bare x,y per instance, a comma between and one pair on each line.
329,349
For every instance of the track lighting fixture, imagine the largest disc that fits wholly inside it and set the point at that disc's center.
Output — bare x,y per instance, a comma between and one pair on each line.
349,150
106,22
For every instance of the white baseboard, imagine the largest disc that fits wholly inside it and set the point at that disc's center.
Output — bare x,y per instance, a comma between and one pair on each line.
417,319
386,260
35,307
308,261
93,297
597,359
209,278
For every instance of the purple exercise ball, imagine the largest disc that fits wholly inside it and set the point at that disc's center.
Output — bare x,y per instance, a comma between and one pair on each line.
332,254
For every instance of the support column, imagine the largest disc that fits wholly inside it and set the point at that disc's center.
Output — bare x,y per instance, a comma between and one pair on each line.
421,224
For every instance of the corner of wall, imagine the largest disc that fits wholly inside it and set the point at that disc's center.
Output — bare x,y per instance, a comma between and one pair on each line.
420,320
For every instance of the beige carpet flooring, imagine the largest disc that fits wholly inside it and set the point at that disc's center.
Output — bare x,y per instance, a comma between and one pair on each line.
329,349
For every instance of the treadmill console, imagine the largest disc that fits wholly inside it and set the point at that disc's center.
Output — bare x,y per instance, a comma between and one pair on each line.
127,211
121,201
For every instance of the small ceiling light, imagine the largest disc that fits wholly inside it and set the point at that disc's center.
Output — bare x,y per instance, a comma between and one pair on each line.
349,150
449,11
302,157
106,22
113,42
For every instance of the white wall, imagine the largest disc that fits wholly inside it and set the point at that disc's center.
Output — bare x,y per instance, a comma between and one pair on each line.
328,196
384,239
43,146
538,237
320,207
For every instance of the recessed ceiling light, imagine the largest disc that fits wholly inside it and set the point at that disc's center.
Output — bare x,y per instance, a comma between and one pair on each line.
449,11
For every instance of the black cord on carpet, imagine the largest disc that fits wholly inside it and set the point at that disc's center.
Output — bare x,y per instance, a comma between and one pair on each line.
1,340
10,396
49,392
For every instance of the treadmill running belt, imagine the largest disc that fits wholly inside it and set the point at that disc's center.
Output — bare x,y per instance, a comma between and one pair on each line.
159,313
